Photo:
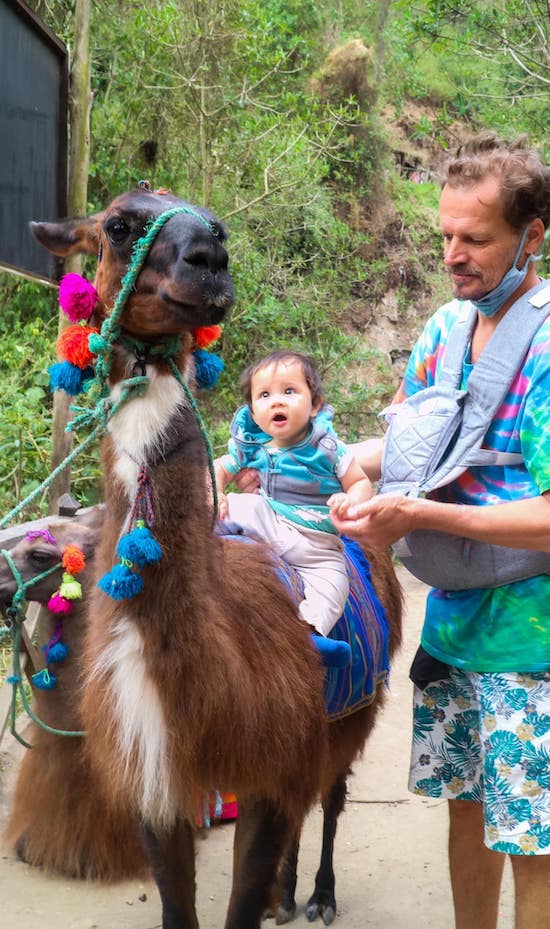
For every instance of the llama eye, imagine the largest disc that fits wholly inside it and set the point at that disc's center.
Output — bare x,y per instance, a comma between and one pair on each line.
117,230
39,558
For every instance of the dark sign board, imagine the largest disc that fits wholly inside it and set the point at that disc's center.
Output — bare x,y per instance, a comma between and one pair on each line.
33,136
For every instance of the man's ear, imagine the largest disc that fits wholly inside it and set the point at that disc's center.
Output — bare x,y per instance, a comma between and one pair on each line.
535,236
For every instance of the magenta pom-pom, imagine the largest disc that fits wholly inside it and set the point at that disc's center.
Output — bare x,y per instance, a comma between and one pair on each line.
77,297
40,534
59,604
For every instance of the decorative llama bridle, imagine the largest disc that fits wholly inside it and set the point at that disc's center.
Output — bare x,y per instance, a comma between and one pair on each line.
55,650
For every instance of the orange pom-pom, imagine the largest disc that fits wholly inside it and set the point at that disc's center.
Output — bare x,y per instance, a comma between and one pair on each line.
73,559
205,335
72,345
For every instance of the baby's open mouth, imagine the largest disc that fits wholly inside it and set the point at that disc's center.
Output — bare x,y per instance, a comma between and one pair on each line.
279,418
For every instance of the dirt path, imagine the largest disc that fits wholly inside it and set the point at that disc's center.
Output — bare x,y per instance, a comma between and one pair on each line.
390,855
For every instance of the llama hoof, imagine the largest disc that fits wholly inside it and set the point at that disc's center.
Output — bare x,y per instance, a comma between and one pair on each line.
21,849
326,910
328,915
285,914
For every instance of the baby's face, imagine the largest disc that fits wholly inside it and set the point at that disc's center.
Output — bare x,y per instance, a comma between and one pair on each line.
281,402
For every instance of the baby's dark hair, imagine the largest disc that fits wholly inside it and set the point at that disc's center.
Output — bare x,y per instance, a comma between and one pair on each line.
307,363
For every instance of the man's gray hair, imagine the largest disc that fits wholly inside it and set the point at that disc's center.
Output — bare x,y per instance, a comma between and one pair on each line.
523,175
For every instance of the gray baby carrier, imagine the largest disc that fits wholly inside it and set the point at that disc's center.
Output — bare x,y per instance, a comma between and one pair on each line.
436,434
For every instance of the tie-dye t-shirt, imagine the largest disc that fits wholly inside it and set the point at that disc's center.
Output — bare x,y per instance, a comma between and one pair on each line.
506,628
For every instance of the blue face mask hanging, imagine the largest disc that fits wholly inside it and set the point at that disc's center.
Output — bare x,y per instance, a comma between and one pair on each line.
492,302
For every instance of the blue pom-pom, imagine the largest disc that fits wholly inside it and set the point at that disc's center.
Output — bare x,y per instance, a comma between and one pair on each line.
44,680
208,368
140,547
66,376
57,652
120,583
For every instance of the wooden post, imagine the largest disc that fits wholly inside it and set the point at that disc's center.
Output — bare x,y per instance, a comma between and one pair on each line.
80,103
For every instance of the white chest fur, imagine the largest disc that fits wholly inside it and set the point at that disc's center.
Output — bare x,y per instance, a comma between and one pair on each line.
141,425
140,723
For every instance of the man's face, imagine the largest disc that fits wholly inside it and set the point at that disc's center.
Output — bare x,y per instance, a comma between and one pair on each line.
479,244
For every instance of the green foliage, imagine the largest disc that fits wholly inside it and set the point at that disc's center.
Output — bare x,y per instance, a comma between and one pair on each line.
28,330
490,60
26,335
228,103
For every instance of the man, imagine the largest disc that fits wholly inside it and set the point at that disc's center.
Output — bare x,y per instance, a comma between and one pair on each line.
482,728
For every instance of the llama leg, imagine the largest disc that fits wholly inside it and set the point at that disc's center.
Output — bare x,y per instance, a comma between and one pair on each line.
323,901
288,875
261,833
172,859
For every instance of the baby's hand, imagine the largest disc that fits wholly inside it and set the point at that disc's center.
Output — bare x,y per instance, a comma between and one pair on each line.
339,504
223,506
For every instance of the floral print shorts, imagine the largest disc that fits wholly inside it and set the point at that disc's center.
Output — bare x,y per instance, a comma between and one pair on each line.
486,737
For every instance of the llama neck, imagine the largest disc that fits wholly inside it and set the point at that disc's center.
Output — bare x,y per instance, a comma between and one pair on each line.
159,431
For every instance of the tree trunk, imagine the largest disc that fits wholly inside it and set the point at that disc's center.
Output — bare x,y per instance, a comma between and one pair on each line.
80,103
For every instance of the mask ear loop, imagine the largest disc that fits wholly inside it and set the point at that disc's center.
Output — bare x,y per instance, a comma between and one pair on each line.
520,248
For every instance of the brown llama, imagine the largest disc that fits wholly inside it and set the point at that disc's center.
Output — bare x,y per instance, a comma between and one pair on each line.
207,678
58,819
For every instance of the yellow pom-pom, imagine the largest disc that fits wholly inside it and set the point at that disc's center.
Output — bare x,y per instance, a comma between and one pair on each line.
70,589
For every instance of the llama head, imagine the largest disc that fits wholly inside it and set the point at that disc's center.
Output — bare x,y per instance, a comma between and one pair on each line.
40,551
184,282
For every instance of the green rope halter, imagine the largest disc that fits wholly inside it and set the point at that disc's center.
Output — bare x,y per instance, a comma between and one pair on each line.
110,330
15,620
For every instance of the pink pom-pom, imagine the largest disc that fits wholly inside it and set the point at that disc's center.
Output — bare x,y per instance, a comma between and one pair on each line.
77,297
59,604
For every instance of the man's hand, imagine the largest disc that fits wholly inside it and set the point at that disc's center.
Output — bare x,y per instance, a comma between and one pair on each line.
377,522
387,517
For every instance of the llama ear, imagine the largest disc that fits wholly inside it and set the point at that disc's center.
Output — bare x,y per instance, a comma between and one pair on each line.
69,236
82,530
92,517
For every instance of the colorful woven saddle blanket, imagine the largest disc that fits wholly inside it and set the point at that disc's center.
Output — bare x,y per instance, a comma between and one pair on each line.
363,625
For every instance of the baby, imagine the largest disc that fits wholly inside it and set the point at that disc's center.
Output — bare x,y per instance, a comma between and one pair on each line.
285,432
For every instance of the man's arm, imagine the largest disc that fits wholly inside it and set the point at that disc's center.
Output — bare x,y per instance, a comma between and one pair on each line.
369,452
387,517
